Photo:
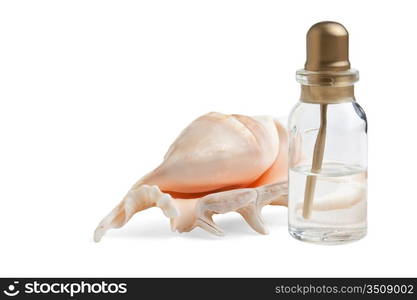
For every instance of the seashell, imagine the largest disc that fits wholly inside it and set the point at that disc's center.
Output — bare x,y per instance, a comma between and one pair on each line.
218,164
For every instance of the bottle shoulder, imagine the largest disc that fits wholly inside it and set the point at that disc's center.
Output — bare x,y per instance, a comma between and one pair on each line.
347,114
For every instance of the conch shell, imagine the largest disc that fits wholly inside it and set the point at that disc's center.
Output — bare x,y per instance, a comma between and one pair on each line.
219,163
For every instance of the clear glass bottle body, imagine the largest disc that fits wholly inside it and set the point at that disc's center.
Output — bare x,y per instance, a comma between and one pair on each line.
339,203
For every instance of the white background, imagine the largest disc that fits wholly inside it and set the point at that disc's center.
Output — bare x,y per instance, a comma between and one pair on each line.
92,93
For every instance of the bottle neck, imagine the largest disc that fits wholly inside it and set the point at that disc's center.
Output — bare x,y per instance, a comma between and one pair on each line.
327,94
327,87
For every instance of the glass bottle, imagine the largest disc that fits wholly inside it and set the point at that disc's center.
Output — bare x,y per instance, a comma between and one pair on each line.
328,144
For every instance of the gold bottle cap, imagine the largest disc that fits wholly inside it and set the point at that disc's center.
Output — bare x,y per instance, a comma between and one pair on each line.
327,47
327,77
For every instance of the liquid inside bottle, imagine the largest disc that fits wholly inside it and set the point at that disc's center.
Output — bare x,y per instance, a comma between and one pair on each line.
339,208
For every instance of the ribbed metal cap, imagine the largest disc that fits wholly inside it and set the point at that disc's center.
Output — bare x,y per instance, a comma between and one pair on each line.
327,47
